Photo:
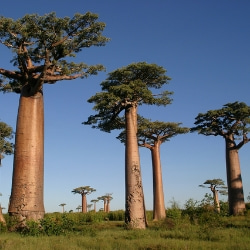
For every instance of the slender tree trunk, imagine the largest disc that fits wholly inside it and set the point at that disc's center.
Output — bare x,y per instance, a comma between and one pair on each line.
159,211
134,198
108,206
84,203
234,180
216,200
104,205
26,201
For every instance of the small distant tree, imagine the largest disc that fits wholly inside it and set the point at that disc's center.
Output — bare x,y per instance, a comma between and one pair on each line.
109,198
89,207
84,191
62,205
78,208
95,201
1,214
6,134
216,186
231,122
104,199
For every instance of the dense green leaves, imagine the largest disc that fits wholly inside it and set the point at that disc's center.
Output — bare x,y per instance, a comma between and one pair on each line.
6,134
232,118
126,87
40,44
148,132
83,190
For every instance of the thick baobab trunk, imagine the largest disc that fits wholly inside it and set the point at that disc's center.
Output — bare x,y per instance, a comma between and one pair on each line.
84,203
234,181
26,201
159,211
134,197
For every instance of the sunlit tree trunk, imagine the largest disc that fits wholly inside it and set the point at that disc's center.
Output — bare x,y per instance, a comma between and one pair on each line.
108,206
159,211
234,180
2,220
134,198
216,199
84,203
26,201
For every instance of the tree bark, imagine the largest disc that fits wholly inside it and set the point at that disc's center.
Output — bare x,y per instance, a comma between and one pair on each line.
84,203
159,211
2,220
26,201
134,197
216,200
234,180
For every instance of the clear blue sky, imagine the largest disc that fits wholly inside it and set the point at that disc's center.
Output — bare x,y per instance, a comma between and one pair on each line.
205,47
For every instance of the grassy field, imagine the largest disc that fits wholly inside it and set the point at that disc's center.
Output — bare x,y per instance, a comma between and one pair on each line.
107,231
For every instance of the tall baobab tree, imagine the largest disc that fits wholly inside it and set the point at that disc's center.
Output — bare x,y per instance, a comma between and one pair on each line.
216,186
151,134
42,47
231,122
62,205
126,89
84,191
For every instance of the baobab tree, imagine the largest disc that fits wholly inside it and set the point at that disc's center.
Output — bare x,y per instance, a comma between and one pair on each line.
108,198
216,186
104,199
151,134
95,201
6,134
78,208
89,207
2,220
84,191
6,148
42,47
62,205
124,90
232,123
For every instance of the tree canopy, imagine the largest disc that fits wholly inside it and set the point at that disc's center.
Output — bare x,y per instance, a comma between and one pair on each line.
130,85
231,119
40,45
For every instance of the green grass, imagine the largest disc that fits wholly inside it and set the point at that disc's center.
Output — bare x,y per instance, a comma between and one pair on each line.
97,231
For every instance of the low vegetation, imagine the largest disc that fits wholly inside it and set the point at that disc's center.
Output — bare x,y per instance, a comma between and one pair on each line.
196,226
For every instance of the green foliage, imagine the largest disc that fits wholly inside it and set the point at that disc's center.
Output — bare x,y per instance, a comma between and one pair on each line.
232,118
227,233
40,44
125,87
6,134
